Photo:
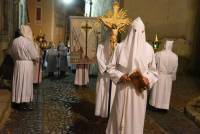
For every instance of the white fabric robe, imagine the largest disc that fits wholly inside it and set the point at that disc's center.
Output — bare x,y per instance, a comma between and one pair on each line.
82,75
23,52
37,68
167,63
102,86
37,78
51,58
129,106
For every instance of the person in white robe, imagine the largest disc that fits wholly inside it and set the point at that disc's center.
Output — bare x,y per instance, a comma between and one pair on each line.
24,54
104,83
37,79
27,32
129,106
167,64
62,59
82,75
51,58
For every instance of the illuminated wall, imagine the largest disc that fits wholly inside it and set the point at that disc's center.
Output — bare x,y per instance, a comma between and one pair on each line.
47,17
99,7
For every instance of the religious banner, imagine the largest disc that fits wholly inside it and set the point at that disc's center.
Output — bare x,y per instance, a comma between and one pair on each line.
85,35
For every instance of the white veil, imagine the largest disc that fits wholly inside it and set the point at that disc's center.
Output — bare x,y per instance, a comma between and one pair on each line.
133,47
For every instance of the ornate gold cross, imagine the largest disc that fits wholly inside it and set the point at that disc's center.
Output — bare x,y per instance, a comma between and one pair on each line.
116,20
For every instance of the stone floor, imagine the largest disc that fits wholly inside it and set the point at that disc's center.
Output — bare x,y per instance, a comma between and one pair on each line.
5,108
62,108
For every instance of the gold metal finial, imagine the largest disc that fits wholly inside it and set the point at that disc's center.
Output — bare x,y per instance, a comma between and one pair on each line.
156,43
156,38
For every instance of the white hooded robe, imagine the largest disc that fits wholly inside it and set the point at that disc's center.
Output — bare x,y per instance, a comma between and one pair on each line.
23,52
129,106
27,33
82,74
103,84
167,63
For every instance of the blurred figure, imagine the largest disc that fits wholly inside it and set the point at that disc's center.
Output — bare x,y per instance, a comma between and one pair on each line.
167,64
82,75
105,88
51,58
62,58
6,69
129,106
24,55
37,78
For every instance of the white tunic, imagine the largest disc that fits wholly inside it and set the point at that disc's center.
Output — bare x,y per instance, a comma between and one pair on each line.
51,58
167,63
82,75
129,106
37,68
23,52
103,83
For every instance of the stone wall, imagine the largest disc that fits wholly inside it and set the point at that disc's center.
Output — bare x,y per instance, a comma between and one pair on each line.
184,51
175,19
11,19
167,18
52,22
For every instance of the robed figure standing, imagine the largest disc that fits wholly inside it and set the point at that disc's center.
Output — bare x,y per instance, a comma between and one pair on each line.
129,106
167,64
62,58
38,67
27,32
82,75
24,55
103,81
51,58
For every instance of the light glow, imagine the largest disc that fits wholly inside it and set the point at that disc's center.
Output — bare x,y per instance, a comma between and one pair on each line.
68,1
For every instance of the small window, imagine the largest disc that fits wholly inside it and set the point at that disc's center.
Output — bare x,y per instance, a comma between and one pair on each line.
38,14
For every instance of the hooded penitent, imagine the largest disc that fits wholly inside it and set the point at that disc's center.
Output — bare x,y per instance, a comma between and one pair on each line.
134,47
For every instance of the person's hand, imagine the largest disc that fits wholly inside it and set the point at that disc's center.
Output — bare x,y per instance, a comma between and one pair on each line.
124,78
146,81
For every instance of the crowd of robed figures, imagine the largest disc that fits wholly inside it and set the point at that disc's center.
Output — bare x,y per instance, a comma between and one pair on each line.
117,96
28,62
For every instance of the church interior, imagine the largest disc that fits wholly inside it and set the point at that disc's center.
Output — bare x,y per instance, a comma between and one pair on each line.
67,34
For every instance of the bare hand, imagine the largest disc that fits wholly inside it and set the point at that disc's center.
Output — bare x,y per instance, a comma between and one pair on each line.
146,81
124,78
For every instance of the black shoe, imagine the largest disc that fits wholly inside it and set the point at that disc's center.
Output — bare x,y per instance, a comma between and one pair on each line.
14,105
18,106
27,107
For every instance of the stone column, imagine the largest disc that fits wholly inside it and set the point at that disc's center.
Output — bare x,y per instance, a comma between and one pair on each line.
16,14
196,44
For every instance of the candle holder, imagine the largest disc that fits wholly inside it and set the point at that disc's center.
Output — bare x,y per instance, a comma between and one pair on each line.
156,43
42,42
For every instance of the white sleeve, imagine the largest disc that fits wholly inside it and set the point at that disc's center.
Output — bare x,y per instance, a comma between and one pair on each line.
33,51
174,71
112,67
152,73
100,61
